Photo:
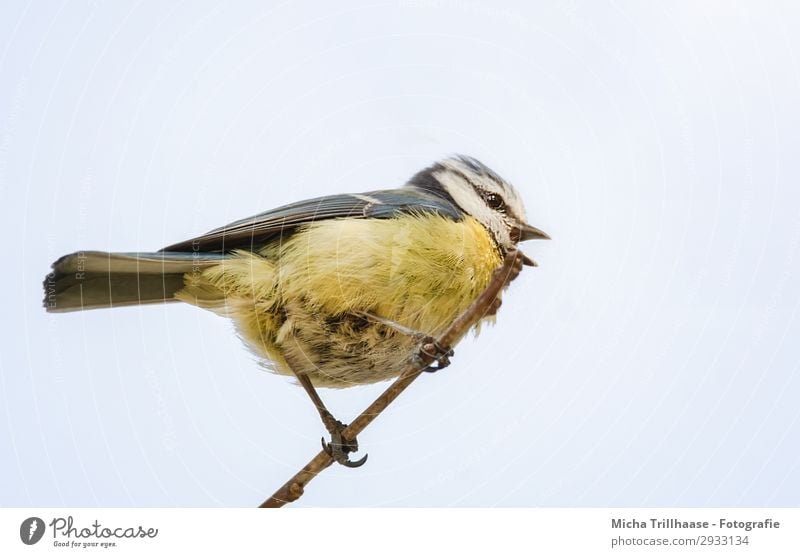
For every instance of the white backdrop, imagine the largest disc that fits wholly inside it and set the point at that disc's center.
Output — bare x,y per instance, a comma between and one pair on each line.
651,359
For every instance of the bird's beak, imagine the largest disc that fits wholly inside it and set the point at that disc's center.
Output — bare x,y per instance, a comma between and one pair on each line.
528,232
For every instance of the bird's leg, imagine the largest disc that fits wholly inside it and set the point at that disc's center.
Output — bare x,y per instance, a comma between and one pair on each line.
339,448
426,343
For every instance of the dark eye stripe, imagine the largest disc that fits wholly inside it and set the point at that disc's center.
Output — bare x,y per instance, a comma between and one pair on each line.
478,189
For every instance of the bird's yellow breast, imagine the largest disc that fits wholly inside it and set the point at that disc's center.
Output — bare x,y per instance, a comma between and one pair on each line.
301,302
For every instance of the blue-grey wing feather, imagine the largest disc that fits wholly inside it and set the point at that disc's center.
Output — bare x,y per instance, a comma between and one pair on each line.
255,231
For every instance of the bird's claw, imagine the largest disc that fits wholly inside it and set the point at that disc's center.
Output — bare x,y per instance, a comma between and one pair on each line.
340,448
430,347
520,259
528,261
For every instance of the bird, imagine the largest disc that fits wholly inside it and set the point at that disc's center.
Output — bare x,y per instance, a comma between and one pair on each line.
334,291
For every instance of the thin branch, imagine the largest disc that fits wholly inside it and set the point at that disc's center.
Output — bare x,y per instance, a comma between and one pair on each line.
486,303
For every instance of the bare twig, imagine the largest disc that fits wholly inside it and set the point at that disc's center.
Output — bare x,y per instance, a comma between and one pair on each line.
486,303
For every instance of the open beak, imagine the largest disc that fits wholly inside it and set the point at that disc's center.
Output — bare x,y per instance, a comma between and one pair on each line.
528,232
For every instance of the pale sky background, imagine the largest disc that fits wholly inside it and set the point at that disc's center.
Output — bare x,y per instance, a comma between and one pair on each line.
651,359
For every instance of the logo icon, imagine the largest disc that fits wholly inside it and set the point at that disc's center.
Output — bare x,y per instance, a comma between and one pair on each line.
31,530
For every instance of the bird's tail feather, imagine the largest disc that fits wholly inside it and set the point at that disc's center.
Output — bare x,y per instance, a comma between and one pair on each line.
96,279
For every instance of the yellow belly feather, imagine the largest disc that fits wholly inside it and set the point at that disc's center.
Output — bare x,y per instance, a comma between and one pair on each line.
301,300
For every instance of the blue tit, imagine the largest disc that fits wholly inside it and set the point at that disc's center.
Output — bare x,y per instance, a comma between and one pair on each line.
332,290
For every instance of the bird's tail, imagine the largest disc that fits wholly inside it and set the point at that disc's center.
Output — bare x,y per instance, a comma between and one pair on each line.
96,279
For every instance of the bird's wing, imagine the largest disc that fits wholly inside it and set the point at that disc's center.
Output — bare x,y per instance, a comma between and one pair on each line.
253,232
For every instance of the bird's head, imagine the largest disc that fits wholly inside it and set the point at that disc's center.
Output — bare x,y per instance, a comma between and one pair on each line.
482,194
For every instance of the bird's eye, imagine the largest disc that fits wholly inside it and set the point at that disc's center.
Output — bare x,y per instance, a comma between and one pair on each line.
495,202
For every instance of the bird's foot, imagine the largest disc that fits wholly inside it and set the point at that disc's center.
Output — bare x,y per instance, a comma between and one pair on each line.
516,268
340,448
430,347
